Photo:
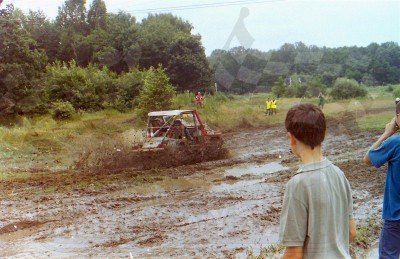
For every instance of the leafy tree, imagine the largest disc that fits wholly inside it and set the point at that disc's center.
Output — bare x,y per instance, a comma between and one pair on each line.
116,46
188,58
157,92
44,32
156,35
71,23
97,15
345,88
279,88
72,16
21,64
167,40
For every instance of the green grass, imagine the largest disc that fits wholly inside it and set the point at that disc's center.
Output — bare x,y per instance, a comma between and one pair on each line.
375,121
44,138
47,140
367,232
271,251
227,112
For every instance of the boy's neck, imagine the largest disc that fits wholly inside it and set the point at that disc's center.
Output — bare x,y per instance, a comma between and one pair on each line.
308,155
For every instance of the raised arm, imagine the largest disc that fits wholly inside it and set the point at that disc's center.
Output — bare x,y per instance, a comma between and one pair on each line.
390,129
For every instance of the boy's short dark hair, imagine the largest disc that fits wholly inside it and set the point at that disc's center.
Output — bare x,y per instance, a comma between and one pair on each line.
307,123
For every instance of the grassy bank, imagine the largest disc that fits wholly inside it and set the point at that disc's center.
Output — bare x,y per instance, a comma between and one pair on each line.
52,142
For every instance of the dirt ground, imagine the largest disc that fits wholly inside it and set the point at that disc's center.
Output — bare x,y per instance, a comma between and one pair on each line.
223,208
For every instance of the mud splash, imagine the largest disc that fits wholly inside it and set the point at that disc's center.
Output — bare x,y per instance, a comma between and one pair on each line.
116,154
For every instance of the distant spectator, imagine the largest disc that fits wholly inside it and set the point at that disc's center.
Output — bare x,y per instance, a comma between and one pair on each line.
321,101
273,106
199,99
267,106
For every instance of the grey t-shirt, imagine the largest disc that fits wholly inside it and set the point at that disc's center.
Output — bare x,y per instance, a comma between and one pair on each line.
316,210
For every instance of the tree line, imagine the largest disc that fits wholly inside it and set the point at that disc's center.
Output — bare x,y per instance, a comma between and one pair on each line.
93,59
242,70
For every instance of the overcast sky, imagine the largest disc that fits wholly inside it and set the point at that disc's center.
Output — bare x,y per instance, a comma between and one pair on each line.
269,23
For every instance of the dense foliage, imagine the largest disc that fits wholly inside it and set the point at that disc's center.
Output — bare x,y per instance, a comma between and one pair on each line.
156,93
242,70
91,58
345,88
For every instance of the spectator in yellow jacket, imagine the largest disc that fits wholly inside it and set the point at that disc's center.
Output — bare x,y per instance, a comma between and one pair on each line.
268,106
273,106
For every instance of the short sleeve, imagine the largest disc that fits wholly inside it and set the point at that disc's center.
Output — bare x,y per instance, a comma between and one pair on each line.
383,153
294,220
349,199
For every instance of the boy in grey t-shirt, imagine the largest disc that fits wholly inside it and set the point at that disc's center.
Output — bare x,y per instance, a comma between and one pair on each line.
316,217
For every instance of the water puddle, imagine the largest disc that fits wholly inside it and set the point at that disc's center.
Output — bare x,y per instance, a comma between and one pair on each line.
238,186
255,169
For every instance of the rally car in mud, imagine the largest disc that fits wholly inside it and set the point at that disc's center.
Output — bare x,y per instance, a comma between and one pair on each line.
173,137
182,137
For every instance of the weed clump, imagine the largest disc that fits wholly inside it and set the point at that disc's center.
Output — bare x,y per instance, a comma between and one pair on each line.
63,110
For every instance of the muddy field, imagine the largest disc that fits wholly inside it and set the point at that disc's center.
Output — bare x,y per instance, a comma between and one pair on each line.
224,208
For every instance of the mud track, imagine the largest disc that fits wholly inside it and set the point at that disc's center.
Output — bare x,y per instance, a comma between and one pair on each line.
218,208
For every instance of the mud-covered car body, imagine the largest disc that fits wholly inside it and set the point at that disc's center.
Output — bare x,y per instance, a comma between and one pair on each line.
173,138
176,128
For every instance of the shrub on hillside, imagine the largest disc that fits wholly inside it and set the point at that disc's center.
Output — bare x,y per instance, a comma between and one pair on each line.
63,110
345,88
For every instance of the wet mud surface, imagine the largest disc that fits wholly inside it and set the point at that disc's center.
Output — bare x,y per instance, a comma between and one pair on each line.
222,208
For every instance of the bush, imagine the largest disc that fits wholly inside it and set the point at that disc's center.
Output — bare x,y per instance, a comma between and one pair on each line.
156,93
290,92
389,88
345,88
279,88
85,88
63,110
396,92
127,87
315,87
184,100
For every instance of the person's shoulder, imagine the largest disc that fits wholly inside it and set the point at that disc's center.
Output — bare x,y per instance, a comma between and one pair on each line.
337,169
395,138
297,181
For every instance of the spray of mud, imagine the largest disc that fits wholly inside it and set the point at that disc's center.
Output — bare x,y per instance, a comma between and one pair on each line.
116,154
